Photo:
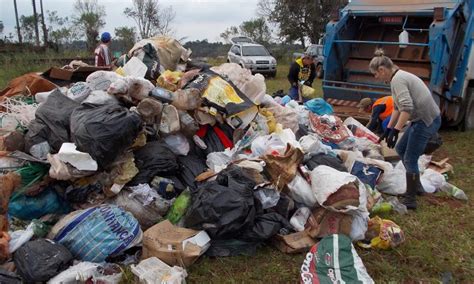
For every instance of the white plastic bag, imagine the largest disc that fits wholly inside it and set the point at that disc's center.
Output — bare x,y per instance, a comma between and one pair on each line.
178,144
432,180
268,197
393,182
299,218
300,191
276,141
152,271
360,223
20,237
311,145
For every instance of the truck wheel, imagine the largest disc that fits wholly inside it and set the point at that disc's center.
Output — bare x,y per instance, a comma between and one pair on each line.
319,71
469,116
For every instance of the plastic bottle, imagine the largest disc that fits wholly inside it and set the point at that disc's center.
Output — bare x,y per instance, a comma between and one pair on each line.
382,208
453,191
162,95
397,206
298,220
179,207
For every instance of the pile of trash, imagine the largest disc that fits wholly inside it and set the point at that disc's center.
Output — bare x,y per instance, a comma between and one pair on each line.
163,160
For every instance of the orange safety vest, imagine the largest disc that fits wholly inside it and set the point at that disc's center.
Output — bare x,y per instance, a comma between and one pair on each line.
388,102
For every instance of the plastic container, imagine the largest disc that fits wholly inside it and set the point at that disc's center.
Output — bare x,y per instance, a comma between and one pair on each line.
298,220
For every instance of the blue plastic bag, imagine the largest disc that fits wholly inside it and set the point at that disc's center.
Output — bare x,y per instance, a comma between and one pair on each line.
319,106
35,207
98,232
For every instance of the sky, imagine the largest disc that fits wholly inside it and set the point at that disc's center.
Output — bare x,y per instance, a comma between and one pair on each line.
195,19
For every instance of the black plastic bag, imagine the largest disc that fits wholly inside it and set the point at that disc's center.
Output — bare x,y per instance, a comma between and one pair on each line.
154,159
434,144
41,259
9,277
223,210
232,247
326,160
265,226
51,121
190,167
104,131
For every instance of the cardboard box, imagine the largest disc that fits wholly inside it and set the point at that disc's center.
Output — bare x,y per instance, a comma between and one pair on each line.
59,73
174,245
293,243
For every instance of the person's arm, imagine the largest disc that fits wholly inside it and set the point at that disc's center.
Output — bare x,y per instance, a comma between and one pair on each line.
393,118
293,75
402,120
404,104
374,118
312,75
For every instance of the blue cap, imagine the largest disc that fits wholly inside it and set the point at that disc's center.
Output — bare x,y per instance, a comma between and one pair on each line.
105,37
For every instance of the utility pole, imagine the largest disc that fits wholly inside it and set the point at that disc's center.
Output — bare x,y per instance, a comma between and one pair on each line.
36,23
45,30
20,40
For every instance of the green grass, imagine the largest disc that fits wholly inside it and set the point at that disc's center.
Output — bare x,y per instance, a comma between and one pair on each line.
439,236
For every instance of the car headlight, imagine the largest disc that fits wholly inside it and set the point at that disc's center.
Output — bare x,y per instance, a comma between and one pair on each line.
273,61
248,61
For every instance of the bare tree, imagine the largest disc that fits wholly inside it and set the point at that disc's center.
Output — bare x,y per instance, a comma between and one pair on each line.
33,2
89,19
20,39
150,17
45,30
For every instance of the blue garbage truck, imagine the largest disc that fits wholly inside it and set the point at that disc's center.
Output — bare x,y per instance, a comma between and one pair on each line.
430,38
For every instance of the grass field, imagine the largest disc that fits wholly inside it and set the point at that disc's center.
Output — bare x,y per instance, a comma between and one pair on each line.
439,234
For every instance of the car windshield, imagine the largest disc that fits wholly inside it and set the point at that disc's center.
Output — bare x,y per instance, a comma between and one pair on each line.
254,51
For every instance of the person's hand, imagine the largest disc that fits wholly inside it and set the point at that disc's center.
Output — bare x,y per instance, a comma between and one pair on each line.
385,134
392,138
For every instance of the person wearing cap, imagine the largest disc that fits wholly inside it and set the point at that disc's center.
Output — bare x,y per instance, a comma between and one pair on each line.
103,56
302,71
380,109
413,102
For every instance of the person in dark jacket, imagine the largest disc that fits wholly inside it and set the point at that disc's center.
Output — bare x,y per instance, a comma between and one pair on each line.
380,109
302,72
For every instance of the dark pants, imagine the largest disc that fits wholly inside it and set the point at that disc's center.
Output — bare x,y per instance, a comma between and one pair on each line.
413,143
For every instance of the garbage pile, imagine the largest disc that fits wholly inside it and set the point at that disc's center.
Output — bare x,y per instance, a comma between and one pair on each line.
162,161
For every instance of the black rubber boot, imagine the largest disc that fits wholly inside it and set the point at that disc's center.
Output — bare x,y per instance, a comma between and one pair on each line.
409,198
419,187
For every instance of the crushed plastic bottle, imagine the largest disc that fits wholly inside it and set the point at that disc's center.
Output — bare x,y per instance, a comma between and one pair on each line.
179,207
299,218
397,206
454,191
381,208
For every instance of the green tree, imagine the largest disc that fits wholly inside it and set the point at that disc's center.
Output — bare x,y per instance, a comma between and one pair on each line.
127,35
88,20
299,19
1,27
27,26
256,29
59,31
151,18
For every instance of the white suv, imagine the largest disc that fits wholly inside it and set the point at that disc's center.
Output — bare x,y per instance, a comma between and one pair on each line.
252,56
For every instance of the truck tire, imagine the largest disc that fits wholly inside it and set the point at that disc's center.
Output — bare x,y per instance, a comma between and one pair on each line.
469,115
319,71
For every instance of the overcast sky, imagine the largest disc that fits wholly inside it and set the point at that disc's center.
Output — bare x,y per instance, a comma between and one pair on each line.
195,19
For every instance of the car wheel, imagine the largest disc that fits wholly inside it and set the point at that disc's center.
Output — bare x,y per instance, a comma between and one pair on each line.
319,71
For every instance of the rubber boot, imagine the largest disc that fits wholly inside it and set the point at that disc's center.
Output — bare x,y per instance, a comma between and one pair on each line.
409,198
419,187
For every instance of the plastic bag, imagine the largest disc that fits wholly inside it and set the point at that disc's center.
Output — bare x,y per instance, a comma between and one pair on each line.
393,182
274,143
79,91
187,99
311,145
104,131
152,271
178,144
268,197
300,191
360,130
100,98
383,234
432,180
101,80
169,80
299,218
319,106
20,237
52,122
169,120
96,236
307,92
41,259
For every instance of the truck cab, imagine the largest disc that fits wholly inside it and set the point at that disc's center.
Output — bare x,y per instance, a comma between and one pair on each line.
429,38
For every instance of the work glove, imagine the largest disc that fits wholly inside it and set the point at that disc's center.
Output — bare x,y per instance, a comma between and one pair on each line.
392,138
385,134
